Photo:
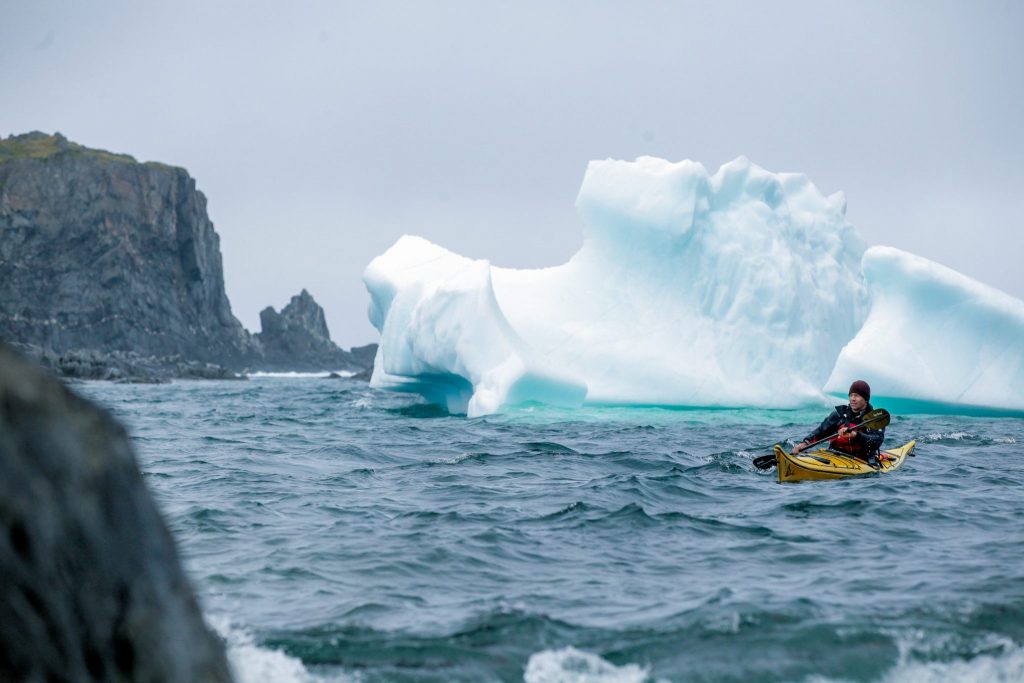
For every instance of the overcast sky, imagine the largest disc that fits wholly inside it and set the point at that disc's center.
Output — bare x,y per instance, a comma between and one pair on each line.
321,132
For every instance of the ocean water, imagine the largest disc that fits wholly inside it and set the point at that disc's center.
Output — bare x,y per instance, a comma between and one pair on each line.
337,533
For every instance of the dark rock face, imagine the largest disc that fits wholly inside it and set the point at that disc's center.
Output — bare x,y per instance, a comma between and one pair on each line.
100,252
90,584
364,355
111,269
297,339
123,366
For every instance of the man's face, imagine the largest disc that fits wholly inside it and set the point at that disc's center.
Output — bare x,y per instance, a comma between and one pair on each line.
857,403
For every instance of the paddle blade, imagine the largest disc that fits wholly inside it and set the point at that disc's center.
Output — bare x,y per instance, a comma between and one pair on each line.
876,419
765,462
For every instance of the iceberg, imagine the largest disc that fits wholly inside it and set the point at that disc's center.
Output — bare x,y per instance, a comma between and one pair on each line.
934,335
691,289
443,335
742,288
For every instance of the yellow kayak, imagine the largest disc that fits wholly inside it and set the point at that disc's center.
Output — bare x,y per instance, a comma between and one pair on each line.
824,464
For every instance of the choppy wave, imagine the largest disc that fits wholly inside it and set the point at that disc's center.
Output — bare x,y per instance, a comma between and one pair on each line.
251,663
947,436
717,641
1006,666
569,665
352,535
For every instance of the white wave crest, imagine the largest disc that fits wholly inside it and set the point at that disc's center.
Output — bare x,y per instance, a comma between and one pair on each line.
364,402
1007,667
458,459
940,436
570,665
251,663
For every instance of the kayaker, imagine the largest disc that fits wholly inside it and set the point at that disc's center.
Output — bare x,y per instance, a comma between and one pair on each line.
860,443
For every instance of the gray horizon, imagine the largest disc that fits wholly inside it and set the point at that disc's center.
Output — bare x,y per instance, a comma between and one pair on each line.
322,133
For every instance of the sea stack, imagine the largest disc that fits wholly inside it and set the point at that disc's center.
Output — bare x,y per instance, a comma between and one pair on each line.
297,339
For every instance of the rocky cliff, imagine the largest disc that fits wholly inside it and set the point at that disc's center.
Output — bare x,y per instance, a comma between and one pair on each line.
98,251
91,588
111,269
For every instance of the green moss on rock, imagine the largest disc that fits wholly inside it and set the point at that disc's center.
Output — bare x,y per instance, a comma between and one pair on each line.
36,145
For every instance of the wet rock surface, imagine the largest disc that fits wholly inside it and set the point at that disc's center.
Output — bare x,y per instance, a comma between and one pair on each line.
91,588
123,366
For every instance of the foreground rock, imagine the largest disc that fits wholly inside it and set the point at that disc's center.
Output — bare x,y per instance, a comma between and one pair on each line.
91,588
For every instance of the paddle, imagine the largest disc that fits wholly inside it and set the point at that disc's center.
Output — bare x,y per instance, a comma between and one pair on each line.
876,419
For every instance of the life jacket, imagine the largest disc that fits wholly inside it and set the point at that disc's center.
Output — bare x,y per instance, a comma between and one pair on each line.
845,444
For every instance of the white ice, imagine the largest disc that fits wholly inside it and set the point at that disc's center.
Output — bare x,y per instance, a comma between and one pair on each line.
734,289
443,335
935,335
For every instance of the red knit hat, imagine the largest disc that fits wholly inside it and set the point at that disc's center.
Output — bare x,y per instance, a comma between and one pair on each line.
861,387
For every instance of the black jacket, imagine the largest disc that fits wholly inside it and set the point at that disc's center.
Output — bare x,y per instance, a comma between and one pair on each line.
866,443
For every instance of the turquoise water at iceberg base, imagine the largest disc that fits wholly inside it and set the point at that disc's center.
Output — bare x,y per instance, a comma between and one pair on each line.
338,533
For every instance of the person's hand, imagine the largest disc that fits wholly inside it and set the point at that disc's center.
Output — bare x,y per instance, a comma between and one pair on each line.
799,447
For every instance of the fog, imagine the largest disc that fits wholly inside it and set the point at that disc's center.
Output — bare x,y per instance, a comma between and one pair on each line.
321,132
